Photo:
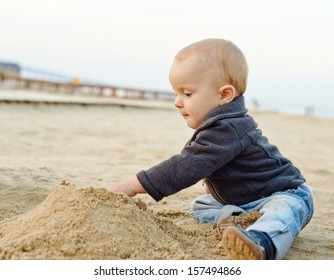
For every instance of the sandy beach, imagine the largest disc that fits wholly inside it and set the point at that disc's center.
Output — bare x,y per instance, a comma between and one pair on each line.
57,158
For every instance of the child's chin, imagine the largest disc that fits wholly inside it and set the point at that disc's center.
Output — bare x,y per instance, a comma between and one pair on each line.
192,125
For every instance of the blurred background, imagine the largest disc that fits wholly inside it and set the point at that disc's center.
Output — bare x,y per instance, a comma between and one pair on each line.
289,44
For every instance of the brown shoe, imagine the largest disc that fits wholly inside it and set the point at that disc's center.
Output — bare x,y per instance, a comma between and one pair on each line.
240,245
242,220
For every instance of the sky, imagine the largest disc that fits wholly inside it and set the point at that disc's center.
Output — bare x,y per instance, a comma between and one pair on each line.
288,44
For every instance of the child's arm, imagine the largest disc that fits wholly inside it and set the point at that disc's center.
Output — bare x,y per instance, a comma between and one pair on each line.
131,188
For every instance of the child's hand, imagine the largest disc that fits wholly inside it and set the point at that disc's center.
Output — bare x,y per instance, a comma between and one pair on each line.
122,188
206,189
131,188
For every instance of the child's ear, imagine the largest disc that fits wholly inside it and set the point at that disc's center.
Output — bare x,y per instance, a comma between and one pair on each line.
226,94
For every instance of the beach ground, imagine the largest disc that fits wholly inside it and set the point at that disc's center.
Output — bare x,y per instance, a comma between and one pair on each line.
53,153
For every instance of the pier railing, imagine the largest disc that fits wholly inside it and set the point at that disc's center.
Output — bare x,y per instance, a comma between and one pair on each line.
76,87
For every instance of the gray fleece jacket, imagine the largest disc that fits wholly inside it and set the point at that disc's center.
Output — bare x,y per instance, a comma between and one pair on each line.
228,150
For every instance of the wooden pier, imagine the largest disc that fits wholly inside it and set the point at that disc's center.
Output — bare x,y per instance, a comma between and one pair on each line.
75,87
15,89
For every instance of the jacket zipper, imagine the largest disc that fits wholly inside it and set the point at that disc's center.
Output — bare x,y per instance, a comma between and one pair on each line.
212,188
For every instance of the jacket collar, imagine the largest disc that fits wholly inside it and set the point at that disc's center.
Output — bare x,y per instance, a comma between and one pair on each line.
233,109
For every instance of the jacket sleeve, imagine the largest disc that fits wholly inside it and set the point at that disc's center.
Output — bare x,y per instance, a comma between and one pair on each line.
208,150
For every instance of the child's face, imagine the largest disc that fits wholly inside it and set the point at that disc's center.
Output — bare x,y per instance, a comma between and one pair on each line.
196,93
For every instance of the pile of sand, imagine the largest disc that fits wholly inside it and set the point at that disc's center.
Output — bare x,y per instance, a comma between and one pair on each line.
77,223
92,223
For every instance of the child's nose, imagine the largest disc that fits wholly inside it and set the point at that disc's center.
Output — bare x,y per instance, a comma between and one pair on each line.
177,102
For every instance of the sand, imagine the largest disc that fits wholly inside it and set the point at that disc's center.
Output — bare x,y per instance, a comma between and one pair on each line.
56,160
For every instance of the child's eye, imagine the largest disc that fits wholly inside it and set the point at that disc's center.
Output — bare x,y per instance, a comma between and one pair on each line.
187,94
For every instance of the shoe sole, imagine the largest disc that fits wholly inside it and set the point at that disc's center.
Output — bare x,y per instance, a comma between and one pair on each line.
239,247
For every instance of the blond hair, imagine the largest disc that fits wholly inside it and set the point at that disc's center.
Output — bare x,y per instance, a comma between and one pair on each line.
223,59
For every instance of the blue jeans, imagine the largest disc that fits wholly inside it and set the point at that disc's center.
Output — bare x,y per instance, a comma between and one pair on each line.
283,214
